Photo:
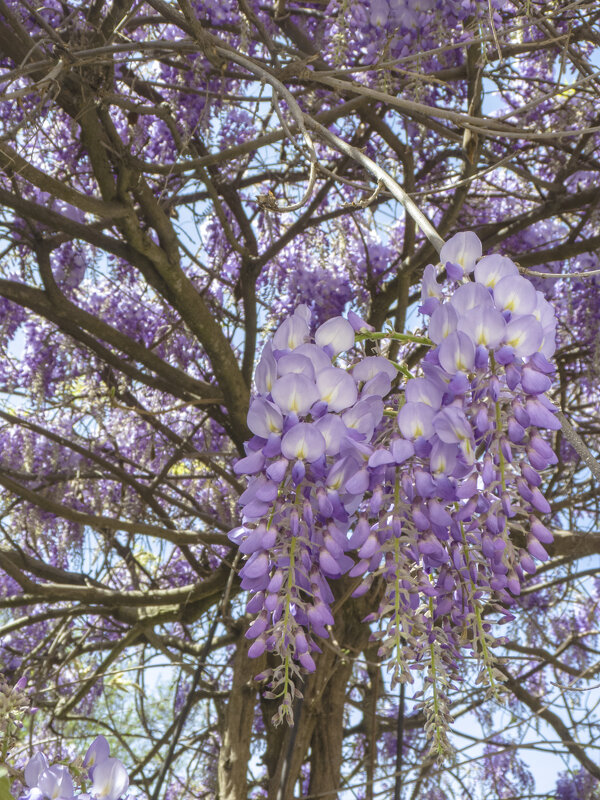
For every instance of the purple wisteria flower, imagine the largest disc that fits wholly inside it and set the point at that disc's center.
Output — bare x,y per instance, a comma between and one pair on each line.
109,777
428,495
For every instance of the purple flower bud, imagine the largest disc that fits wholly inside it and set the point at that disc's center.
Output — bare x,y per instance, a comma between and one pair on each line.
250,464
307,662
513,376
543,449
337,335
319,615
256,567
255,603
258,627
298,472
541,416
535,549
534,382
457,353
539,501
261,538
541,533
490,269
294,393
360,534
257,648
530,475
276,471
336,388
463,250
358,324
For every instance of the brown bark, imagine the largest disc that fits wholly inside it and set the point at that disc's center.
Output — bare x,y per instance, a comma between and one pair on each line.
234,754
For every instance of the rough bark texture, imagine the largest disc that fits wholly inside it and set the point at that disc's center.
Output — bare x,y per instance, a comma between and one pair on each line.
234,754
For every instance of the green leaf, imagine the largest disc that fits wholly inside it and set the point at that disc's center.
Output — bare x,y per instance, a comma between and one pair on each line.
5,784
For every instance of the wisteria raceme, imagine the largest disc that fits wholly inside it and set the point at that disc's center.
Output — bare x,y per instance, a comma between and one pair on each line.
441,505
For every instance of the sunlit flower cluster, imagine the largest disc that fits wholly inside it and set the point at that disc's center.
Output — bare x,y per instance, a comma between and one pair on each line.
421,503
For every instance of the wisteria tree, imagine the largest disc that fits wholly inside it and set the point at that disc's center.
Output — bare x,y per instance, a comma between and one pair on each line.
300,358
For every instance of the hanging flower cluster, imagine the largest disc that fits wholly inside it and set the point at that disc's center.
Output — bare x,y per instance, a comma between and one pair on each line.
413,486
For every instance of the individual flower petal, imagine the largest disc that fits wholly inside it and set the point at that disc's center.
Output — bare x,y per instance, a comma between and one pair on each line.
266,371
470,296
319,359
110,780
294,393
364,416
264,418
371,366
443,458
443,321
485,326
423,390
463,249
515,294
250,465
337,334
297,364
416,419
56,783
379,385
452,426
333,431
429,285
291,333
491,269
457,353
34,768
524,335
541,416
303,441
336,388
97,752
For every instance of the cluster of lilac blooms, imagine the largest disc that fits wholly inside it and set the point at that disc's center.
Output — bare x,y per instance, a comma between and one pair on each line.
431,488
108,776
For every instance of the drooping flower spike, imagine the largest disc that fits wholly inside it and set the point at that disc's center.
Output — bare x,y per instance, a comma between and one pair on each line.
425,500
